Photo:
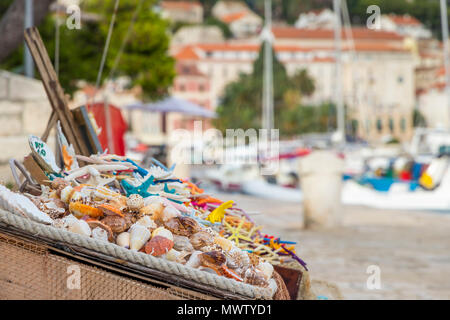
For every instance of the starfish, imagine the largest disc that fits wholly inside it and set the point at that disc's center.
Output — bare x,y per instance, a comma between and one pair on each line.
141,189
236,234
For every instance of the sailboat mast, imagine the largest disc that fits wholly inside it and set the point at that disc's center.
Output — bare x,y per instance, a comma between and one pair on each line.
444,24
268,117
338,80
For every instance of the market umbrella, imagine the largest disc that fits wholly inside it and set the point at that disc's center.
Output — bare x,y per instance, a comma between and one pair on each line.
173,104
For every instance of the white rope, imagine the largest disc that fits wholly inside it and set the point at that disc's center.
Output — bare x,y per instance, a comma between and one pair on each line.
143,259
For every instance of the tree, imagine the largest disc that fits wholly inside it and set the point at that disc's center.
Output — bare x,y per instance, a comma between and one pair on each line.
241,105
145,58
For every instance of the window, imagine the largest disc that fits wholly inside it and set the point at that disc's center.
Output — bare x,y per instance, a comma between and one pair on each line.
391,125
403,124
182,87
379,125
400,79
201,87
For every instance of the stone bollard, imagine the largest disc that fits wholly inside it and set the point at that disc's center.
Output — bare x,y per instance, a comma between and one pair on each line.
321,183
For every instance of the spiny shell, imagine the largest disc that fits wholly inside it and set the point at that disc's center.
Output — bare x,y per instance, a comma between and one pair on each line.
182,243
212,259
158,246
201,239
100,234
183,226
79,209
225,244
163,232
123,240
139,235
116,223
147,222
80,227
238,259
135,202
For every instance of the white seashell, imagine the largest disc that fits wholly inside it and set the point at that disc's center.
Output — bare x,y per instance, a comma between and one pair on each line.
123,240
66,194
173,255
266,268
21,205
147,222
238,259
80,227
100,234
163,232
273,286
139,235
169,213
69,220
194,261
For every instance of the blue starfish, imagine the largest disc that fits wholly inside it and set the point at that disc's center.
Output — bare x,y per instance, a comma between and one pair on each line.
141,189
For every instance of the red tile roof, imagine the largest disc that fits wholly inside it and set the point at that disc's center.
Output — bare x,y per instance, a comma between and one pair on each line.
182,5
404,20
358,33
187,53
229,18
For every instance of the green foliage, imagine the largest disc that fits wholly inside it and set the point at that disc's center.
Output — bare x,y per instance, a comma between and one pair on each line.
418,119
211,21
145,58
241,105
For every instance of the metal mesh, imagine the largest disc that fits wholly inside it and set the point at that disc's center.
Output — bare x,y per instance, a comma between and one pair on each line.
29,271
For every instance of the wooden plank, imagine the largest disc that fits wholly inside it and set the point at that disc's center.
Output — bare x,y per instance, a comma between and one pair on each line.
50,125
82,118
35,170
54,90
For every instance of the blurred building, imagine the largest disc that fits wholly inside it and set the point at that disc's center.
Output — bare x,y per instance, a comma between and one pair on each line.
378,73
316,19
405,25
24,110
189,35
182,11
242,21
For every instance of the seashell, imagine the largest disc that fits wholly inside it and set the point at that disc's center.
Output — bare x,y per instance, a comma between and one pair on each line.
66,194
100,234
183,226
79,209
123,240
158,246
80,227
201,239
266,268
147,222
230,274
238,259
76,196
182,243
211,247
69,220
225,244
110,210
254,259
105,193
209,270
163,232
93,224
176,256
272,285
58,223
255,277
130,219
59,184
194,260
139,235
213,259
116,223
135,202
165,215
152,209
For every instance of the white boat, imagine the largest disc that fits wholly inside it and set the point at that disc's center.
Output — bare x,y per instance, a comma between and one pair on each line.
399,196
